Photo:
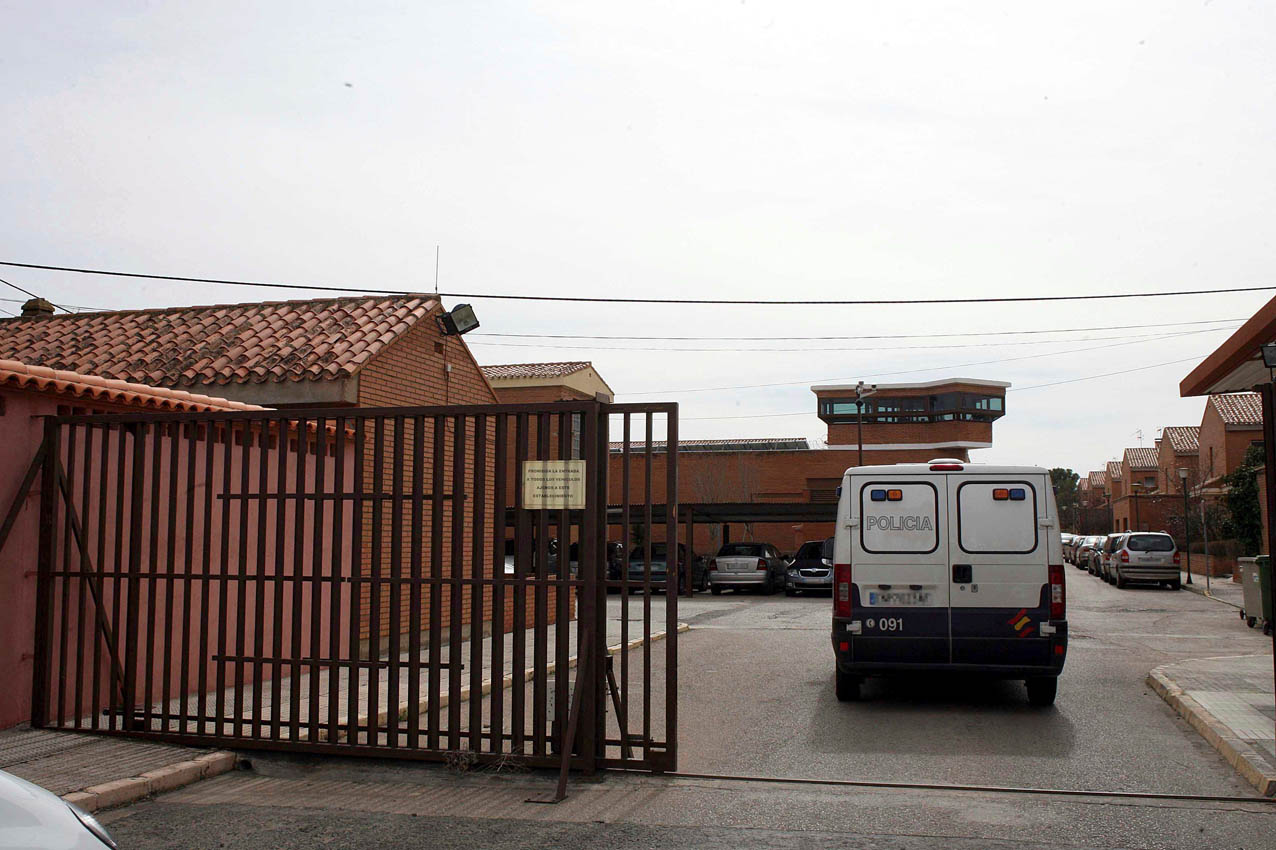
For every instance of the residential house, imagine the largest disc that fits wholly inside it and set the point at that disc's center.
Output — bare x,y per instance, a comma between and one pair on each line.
1231,423
1178,448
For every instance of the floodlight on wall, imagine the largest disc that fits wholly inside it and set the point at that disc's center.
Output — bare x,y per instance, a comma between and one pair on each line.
1269,355
460,320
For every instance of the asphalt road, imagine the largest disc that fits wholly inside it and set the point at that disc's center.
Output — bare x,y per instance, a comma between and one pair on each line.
757,698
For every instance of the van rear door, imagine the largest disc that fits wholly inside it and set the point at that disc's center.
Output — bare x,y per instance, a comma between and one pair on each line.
899,566
999,588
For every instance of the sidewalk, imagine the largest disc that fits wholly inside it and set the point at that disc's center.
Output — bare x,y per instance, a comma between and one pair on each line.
1221,588
1229,701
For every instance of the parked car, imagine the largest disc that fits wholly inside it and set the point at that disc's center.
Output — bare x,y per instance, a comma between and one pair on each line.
1066,538
747,566
1148,556
1102,554
811,567
1084,548
33,817
660,569
1070,548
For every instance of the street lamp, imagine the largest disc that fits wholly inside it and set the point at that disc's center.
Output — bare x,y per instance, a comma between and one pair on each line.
861,392
1187,534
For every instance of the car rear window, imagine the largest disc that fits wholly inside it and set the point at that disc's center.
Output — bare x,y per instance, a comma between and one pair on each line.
1150,543
748,550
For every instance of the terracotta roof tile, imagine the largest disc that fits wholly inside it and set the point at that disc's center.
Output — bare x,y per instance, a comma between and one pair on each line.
535,370
1114,470
25,376
1184,439
221,344
1098,480
1143,457
1239,408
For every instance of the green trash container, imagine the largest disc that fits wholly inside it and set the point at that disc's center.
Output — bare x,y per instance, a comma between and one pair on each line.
1265,585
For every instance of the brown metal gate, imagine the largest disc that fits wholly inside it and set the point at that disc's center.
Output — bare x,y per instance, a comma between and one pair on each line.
364,581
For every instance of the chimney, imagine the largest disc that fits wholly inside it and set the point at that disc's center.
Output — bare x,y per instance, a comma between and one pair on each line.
36,307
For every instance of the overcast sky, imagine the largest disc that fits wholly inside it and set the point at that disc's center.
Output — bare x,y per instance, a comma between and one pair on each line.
726,149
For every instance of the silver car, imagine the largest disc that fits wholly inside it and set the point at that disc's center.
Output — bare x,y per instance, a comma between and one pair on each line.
1145,556
747,566
811,568
1087,544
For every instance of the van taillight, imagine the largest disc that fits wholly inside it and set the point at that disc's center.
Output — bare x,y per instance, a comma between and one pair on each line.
761,564
946,467
842,590
1058,599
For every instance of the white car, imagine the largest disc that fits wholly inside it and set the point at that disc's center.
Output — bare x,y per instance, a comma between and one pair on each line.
31,817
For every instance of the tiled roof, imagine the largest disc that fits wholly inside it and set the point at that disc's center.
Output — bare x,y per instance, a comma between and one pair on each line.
1239,408
93,387
534,370
747,444
1098,480
1114,470
1184,439
1143,457
277,341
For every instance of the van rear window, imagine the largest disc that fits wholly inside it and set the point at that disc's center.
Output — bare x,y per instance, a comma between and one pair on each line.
904,520
1150,543
990,524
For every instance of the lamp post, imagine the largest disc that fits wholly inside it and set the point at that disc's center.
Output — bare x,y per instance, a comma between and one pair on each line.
1187,534
861,392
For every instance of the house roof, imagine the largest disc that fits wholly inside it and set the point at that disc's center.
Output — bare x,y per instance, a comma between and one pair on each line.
1237,364
1098,480
1114,470
96,388
1183,439
1143,457
747,444
509,371
1239,408
314,340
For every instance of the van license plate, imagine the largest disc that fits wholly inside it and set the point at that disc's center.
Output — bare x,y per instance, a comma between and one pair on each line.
899,597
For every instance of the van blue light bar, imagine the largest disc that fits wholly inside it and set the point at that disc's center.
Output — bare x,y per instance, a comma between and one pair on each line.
1017,494
878,495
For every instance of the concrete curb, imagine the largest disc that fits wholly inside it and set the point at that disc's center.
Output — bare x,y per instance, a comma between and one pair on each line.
123,791
1238,753
1199,589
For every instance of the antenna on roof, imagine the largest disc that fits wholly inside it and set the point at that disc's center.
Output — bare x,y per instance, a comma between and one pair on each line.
436,268
1139,433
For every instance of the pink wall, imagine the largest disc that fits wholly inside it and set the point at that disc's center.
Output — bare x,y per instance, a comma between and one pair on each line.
240,538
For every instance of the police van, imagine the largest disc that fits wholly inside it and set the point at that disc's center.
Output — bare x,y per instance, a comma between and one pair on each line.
948,566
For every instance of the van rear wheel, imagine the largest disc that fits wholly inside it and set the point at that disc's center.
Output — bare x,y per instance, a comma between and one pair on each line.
1042,691
848,686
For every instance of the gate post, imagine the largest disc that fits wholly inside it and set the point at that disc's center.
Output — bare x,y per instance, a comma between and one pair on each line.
593,604
48,544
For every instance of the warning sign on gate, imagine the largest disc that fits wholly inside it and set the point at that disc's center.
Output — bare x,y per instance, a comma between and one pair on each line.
553,484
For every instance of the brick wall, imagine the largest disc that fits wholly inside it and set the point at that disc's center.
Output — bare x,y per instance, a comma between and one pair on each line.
1168,464
539,395
1222,449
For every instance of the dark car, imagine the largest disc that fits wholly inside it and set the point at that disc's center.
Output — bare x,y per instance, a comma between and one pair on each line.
811,568
659,566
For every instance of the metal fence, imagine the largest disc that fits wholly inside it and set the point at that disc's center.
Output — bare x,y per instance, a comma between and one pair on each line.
363,581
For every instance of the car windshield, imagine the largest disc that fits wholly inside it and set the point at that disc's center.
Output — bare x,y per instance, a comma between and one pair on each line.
1150,543
809,552
751,550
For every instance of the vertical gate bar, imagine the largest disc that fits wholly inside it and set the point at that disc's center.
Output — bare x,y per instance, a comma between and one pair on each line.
336,585
223,579
562,594
357,585
64,583
206,584
318,515
435,684
646,588
456,592
99,612
151,665
477,562
44,568
601,437
522,559
496,709
86,494
298,579
170,561
414,601
591,641
119,555
627,540
188,583
277,610
396,587
540,623
241,571
259,578
672,588
374,613
136,494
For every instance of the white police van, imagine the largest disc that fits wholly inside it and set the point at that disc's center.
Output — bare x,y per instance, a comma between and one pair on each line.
948,566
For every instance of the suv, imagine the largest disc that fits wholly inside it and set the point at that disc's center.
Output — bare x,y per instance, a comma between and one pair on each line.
1145,556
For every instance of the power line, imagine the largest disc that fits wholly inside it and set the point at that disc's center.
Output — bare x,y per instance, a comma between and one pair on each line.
859,336
27,292
835,348
808,412
1020,299
911,371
